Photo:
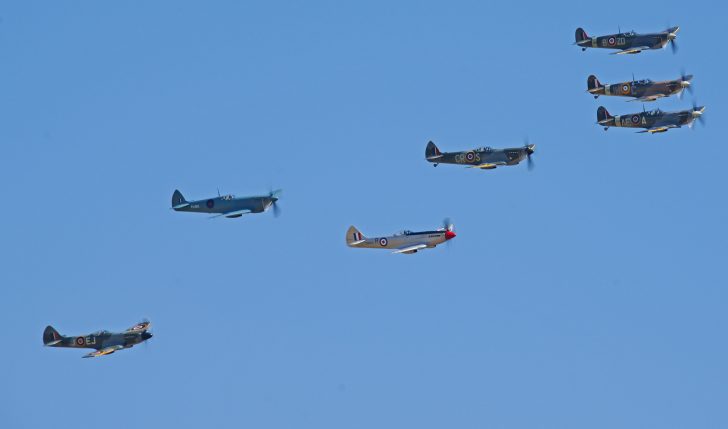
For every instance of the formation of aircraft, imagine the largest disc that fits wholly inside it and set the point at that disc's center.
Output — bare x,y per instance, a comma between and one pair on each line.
484,158
640,90
629,42
655,121
227,205
104,342
407,242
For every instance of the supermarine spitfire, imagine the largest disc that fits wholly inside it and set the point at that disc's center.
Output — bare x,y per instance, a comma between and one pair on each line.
407,242
630,42
641,90
227,205
104,342
655,121
485,158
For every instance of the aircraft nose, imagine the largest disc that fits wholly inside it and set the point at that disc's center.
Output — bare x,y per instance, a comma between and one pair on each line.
449,235
684,83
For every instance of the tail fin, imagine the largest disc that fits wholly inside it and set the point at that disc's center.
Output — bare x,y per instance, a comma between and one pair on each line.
178,200
432,152
581,35
602,114
354,236
51,337
593,83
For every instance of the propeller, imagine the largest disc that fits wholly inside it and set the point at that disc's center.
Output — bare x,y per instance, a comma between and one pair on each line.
671,36
447,225
697,114
685,83
529,149
274,195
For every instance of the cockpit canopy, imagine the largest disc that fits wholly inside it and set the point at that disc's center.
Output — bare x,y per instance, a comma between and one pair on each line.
228,197
404,232
100,333
655,112
630,33
484,149
644,81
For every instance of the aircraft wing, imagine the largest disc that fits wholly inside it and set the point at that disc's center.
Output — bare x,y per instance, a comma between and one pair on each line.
105,351
410,249
485,166
658,129
648,98
635,50
235,213
141,326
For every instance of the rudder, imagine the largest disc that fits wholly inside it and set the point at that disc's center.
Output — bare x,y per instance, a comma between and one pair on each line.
581,35
592,82
51,336
354,236
178,199
432,151
602,114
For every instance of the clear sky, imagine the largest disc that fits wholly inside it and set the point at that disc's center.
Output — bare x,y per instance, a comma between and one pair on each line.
588,293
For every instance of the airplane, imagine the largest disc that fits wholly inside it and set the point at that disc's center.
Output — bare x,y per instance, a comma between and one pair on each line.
227,205
655,121
484,158
104,342
407,242
642,90
630,42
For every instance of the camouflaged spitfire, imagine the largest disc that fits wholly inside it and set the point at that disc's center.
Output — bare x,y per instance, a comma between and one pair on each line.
485,158
104,342
641,90
407,242
227,205
655,121
630,42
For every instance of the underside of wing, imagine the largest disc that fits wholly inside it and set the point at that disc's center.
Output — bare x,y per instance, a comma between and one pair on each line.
141,326
410,249
105,351
658,129
486,166
635,50
648,98
236,213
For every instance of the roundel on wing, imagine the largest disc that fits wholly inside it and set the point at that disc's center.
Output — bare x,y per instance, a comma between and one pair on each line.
625,88
210,204
80,341
470,156
612,41
635,119
382,241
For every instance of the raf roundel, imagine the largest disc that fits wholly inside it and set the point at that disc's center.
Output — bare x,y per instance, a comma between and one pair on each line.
612,41
383,242
470,156
635,119
625,88
80,341
210,204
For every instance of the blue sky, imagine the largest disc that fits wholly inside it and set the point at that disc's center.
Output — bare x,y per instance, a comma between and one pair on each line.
587,293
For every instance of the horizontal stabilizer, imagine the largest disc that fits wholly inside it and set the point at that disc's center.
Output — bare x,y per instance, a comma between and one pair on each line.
181,206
